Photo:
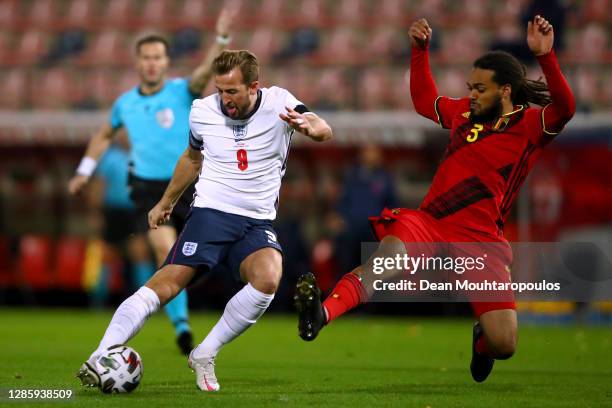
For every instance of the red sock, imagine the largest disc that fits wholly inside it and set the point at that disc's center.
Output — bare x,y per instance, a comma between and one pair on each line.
346,295
482,347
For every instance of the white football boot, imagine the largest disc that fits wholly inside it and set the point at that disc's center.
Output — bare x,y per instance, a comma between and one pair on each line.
205,373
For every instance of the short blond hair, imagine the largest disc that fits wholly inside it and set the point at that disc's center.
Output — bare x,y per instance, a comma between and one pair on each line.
245,60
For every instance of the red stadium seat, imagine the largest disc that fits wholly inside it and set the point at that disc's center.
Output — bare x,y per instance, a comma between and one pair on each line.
390,12
54,90
106,49
271,11
597,10
70,260
374,89
342,47
31,47
155,12
593,44
474,11
118,13
79,13
332,78
381,44
350,12
452,82
193,12
311,13
585,86
400,89
9,13
463,45
34,262
127,80
264,43
42,13
14,89
101,87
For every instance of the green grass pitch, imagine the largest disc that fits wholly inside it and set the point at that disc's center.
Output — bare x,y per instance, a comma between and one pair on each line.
356,361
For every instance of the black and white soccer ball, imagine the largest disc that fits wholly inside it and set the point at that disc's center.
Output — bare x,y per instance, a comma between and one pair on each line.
120,369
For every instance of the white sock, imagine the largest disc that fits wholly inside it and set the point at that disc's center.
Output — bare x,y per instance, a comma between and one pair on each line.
129,318
240,313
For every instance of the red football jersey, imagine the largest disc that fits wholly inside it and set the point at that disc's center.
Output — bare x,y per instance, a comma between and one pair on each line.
485,163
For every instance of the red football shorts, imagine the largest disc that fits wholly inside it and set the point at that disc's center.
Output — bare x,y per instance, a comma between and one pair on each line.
423,233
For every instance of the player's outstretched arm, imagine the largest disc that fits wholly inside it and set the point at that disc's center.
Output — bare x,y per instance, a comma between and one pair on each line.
203,72
187,169
96,147
422,86
540,39
308,124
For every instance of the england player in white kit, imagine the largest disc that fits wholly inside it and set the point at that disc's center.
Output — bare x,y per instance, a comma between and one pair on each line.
238,145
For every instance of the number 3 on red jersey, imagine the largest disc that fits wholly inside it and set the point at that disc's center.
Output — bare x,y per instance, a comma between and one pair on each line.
475,130
243,160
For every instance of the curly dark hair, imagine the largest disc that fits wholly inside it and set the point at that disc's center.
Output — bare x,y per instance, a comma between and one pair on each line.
509,71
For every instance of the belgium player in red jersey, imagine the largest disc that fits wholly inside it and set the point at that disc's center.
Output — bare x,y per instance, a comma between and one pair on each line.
495,138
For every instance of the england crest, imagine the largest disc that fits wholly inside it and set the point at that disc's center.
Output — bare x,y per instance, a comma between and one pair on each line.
189,248
240,132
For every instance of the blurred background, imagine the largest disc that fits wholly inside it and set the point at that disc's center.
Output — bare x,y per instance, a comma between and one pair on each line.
63,62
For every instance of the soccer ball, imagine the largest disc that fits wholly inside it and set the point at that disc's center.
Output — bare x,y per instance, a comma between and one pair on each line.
120,369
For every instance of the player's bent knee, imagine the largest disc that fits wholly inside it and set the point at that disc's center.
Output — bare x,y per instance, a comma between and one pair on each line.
266,280
504,344
164,286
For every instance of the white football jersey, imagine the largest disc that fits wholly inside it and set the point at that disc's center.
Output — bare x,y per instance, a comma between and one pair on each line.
244,160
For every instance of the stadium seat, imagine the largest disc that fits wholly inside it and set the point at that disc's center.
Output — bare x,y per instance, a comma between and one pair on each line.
311,13
127,80
42,13
381,44
593,44
342,47
5,47
32,45
350,12
463,45
586,87
79,13
390,12
69,262
34,262
373,89
264,42
271,12
474,11
156,12
55,90
332,79
14,89
101,89
452,82
400,89
193,13
9,13
430,8
108,48
597,10
118,13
